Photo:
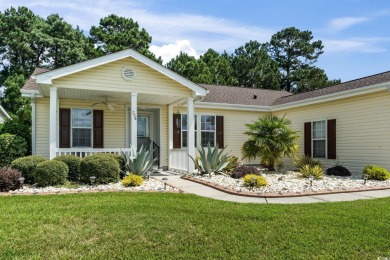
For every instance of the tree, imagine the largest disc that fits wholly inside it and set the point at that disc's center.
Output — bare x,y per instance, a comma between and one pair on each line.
253,67
271,139
13,99
190,68
293,50
220,67
312,78
116,33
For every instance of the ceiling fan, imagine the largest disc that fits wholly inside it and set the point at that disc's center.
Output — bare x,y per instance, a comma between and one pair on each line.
110,105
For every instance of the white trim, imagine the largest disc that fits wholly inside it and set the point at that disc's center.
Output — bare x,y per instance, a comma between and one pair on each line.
47,77
53,121
200,128
227,106
326,138
133,120
71,127
190,134
170,134
33,124
2,110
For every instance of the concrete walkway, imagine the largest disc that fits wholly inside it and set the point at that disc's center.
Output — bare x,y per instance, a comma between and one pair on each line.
204,191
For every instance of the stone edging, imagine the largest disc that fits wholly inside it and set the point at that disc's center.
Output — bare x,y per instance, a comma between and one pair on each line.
278,195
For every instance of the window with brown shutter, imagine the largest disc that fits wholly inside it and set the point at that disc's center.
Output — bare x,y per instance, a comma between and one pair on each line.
307,138
64,122
220,132
98,133
176,131
332,139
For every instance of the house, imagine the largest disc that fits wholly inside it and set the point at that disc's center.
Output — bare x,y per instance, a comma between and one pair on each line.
108,103
3,115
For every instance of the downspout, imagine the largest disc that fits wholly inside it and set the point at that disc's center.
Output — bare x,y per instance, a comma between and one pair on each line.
33,124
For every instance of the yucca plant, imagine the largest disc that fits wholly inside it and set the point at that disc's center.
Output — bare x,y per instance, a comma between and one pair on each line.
138,162
302,160
308,170
211,160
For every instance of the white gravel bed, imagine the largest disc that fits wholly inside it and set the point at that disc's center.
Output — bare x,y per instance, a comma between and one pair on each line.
290,182
151,185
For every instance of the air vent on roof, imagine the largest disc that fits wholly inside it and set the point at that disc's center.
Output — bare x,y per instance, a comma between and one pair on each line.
128,73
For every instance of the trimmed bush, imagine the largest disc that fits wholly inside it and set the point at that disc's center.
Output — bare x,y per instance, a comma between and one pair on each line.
9,179
132,180
308,170
73,163
119,158
242,170
303,160
11,147
51,173
376,173
338,170
26,165
104,168
260,181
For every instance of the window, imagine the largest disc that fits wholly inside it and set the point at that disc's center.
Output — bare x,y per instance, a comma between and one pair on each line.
81,127
319,139
143,126
207,129
184,129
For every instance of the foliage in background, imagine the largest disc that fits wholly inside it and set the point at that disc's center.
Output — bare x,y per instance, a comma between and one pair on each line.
211,160
132,180
376,173
253,180
271,139
316,171
51,173
73,163
104,168
141,162
11,147
27,165
9,179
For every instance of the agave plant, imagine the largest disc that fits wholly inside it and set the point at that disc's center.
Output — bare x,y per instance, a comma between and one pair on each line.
138,162
211,160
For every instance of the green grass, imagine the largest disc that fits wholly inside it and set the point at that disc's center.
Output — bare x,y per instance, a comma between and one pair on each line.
180,226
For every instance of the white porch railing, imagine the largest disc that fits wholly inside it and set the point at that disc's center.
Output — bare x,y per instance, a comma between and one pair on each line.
179,159
83,152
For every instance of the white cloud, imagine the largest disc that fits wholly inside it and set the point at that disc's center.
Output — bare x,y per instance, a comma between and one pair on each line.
342,23
170,51
362,45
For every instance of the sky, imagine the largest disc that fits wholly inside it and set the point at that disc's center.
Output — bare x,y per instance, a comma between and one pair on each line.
355,33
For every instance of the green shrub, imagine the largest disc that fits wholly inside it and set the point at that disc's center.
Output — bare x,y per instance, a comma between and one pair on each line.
303,160
51,173
242,170
255,180
308,170
73,163
26,165
233,162
9,179
11,147
376,173
104,168
120,158
132,180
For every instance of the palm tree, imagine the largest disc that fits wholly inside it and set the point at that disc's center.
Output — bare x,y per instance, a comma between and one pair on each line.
271,139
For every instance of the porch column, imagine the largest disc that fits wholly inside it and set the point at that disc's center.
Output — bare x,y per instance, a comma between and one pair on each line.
170,134
53,121
190,134
133,120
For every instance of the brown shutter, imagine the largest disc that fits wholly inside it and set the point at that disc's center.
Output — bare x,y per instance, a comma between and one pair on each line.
98,124
219,128
332,139
64,128
307,139
176,131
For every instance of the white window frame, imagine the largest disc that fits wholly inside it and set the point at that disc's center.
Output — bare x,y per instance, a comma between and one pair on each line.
211,131
181,130
319,139
71,127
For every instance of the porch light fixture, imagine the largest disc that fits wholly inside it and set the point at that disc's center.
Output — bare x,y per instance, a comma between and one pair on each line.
165,182
311,178
92,179
365,177
21,180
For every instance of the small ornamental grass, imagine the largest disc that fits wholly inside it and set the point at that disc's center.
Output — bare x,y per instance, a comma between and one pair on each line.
253,180
308,170
51,173
9,179
376,173
303,160
132,180
27,165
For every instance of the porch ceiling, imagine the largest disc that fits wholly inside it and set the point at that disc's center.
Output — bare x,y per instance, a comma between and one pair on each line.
112,96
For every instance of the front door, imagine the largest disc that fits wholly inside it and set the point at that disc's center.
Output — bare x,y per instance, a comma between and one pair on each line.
143,131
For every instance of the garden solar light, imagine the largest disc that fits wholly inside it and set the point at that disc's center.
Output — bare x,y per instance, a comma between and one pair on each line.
311,178
21,180
93,179
365,177
165,182
148,175
253,182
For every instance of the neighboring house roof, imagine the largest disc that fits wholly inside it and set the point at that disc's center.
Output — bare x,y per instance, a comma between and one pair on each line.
345,86
4,113
31,84
242,96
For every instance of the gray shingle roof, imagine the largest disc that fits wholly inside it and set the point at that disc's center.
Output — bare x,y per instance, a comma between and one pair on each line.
30,84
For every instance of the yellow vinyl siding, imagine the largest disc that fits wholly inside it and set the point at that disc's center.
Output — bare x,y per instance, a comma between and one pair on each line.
42,127
108,77
362,129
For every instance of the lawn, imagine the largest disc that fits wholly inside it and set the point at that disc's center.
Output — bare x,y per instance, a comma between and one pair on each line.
182,226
